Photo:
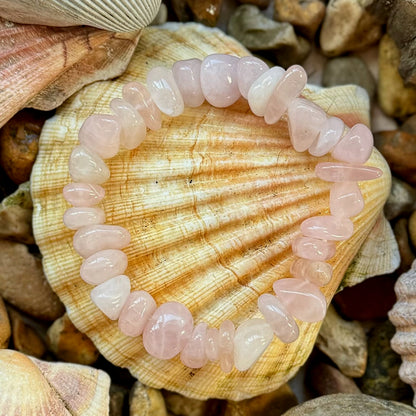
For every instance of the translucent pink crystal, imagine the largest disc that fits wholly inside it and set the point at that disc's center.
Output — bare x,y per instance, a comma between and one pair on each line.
133,127
219,80
164,91
86,166
330,133
251,339
193,354
77,217
103,265
212,344
288,88
262,88
101,134
187,77
249,69
92,238
345,199
139,97
168,330
341,172
356,146
313,248
276,315
305,122
328,227
226,346
136,312
83,194
111,295
301,298
317,272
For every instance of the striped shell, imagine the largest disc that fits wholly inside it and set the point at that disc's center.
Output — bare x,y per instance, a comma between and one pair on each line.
213,200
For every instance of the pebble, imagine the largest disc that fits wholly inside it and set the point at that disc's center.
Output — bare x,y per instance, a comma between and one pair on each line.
161,16
305,16
69,344
344,342
146,401
412,228
5,329
349,70
340,34
402,237
205,11
177,404
118,396
262,4
394,97
401,201
20,270
381,378
409,126
350,405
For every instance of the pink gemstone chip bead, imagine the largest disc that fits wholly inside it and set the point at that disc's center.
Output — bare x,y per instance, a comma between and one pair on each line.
345,199
301,298
219,80
328,227
136,312
276,315
101,134
187,77
92,238
317,272
341,172
329,136
226,346
313,248
249,69
83,194
168,330
193,355
212,344
77,217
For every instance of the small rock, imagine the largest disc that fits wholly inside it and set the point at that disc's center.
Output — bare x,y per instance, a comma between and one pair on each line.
261,4
118,397
381,378
402,237
394,97
412,228
146,401
23,284
69,344
180,405
398,148
350,405
349,70
401,201
326,379
304,15
5,329
344,342
182,10
269,404
380,121
348,27
409,126
205,11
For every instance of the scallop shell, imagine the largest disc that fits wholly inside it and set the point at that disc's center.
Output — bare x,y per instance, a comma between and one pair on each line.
34,387
40,66
113,15
403,317
213,200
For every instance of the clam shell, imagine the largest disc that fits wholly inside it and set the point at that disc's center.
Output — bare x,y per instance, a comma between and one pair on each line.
114,15
213,200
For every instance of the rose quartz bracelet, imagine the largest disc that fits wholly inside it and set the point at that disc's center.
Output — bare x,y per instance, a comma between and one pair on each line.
168,329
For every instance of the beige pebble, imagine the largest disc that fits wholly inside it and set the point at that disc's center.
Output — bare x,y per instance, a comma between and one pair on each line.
146,401
5,329
181,405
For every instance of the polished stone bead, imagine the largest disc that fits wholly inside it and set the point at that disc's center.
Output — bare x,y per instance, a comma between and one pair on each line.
133,127
219,80
356,146
101,134
328,227
111,295
83,194
341,172
86,166
301,298
329,136
262,88
77,217
290,87
136,312
193,354
164,91
305,122
249,69
317,272
276,315
212,344
168,330
345,199
103,265
92,238
139,97
187,77
226,346
313,248
251,339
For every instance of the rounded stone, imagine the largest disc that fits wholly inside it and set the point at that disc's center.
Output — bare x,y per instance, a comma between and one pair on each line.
345,199
83,194
193,355
77,217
